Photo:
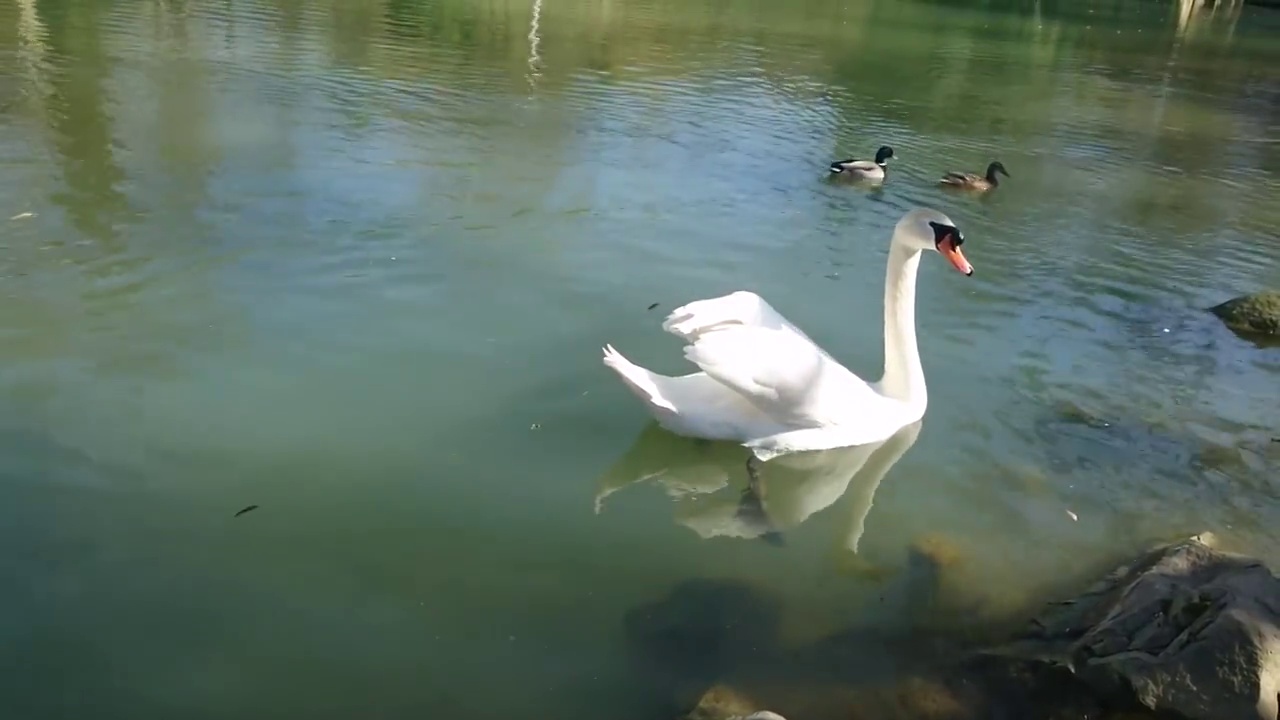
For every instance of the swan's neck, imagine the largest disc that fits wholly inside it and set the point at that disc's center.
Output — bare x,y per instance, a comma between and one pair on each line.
903,375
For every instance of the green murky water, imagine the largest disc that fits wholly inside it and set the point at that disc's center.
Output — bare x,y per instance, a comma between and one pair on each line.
352,262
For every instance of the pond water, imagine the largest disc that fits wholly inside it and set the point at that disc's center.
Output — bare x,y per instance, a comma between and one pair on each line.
353,262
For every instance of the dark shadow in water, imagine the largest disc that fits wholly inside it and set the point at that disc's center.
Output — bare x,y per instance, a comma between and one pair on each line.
710,632
699,634
1257,340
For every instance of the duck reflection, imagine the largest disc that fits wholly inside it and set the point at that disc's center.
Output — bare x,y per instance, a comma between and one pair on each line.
701,477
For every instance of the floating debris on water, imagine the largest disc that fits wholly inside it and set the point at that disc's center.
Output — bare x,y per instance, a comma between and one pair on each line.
251,508
23,216
654,305
1073,516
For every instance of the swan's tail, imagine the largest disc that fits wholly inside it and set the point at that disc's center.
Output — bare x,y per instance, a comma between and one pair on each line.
645,385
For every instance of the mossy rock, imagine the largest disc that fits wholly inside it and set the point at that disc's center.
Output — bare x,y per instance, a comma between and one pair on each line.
1257,314
915,698
721,702
938,550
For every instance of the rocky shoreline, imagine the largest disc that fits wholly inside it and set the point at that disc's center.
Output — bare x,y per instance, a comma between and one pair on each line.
1185,631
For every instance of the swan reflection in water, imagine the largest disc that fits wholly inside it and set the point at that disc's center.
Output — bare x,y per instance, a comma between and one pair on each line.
700,476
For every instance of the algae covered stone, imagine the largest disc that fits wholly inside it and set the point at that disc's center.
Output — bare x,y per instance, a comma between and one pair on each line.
1257,314
721,702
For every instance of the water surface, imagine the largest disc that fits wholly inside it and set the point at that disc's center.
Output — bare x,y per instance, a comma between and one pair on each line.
353,262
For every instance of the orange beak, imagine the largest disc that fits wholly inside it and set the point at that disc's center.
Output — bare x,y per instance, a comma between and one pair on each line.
952,253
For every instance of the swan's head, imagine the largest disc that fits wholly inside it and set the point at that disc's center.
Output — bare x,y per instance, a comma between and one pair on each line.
926,229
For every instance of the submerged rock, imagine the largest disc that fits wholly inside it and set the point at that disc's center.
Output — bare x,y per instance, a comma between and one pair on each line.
699,634
724,703
915,698
937,550
1186,630
1257,314
1069,412
987,688
936,591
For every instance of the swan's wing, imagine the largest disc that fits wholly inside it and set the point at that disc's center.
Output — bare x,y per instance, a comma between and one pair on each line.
741,309
781,372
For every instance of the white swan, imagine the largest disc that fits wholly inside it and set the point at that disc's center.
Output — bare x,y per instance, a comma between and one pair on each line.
766,385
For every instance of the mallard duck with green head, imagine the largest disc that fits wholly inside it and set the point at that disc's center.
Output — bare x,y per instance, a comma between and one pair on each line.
864,169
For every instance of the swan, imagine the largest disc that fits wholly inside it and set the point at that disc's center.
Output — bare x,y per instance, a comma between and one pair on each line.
765,385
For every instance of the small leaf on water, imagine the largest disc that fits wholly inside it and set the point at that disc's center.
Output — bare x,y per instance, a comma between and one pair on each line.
653,306
245,510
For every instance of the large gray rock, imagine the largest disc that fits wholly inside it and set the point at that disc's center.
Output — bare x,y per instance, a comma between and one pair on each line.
1186,630
1257,314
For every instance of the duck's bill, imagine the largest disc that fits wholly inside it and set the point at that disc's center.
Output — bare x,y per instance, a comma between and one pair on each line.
954,256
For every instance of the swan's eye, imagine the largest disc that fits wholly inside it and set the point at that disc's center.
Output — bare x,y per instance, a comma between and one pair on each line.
942,232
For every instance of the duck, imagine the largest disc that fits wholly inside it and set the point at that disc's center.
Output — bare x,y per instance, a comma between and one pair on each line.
864,169
764,384
972,181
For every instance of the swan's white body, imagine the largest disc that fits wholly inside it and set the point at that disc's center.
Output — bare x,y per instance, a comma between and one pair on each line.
765,384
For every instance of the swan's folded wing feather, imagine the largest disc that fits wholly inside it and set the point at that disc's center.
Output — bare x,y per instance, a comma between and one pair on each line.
781,372
741,308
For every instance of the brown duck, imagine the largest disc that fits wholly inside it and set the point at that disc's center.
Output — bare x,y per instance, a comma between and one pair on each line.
973,181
